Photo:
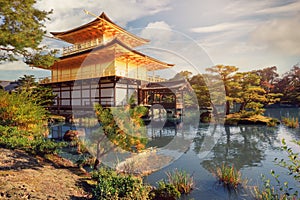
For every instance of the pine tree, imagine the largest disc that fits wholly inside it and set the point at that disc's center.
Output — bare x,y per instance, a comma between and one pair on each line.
22,31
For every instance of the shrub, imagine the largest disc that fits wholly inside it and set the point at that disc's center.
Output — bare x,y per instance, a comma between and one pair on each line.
282,191
228,175
181,180
269,192
13,138
165,191
290,122
111,185
17,110
23,124
293,164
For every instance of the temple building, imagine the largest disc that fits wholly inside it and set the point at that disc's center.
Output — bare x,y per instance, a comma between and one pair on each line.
101,66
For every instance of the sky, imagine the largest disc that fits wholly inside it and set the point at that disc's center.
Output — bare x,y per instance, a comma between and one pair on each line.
192,34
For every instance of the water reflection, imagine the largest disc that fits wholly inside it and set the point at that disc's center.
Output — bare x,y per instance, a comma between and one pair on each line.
199,149
242,146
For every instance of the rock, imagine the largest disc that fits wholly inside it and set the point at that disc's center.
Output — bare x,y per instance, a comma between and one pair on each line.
205,117
70,135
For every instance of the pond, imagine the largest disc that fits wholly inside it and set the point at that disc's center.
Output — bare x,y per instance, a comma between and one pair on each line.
199,150
251,149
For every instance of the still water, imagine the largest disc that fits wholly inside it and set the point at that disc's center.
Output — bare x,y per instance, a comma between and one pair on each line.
250,149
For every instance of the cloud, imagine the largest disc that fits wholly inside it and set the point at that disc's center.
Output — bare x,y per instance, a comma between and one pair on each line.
279,35
69,14
221,27
286,8
157,31
128,10
215,28
14,70
17,65
259,8
174,47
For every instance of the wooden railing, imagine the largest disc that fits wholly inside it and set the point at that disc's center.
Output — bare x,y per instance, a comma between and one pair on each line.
78,76
155,79
80,47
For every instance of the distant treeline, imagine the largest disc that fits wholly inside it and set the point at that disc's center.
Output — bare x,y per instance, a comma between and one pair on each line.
252,90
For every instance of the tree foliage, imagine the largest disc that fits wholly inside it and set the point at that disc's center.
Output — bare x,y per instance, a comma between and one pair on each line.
17,110
201,90
120,128
22,31
247,91
226,74
40,94
182,75
289,86
23,124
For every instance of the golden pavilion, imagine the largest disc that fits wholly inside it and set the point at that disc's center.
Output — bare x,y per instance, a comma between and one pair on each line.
101,66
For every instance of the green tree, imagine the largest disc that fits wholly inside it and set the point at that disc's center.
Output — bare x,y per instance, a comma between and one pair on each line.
227,75
268,81
201,90
182,75
17,110
27,83
40,94
251,95
22,31
120,128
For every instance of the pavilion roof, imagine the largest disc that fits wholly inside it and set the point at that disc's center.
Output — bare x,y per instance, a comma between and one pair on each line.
99,26
112,50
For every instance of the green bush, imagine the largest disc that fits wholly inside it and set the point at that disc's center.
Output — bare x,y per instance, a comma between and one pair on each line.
114,186
165,191
23,124
17,110
13,138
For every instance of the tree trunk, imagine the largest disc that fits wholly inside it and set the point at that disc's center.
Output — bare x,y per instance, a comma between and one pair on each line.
227,111
97,161
243,105
96,164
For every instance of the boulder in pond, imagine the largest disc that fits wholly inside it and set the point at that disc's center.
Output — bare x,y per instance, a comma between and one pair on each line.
70,135
205,117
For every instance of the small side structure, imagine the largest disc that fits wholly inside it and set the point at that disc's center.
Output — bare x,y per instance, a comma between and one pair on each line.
168,94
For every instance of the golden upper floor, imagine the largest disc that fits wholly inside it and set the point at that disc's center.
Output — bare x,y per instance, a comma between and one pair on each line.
97,32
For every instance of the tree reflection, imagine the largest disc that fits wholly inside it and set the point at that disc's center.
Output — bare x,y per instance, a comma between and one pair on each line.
242,146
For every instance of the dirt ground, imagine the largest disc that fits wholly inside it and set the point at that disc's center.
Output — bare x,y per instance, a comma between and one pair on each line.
23,176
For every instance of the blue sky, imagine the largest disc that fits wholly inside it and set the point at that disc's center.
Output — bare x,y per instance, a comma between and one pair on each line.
247,34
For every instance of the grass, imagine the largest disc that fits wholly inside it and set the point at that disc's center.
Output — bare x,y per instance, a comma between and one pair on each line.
229,176
182,181
266,194
290,122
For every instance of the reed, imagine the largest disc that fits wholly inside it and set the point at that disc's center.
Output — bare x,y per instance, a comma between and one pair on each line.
229,176
182,180
290,122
